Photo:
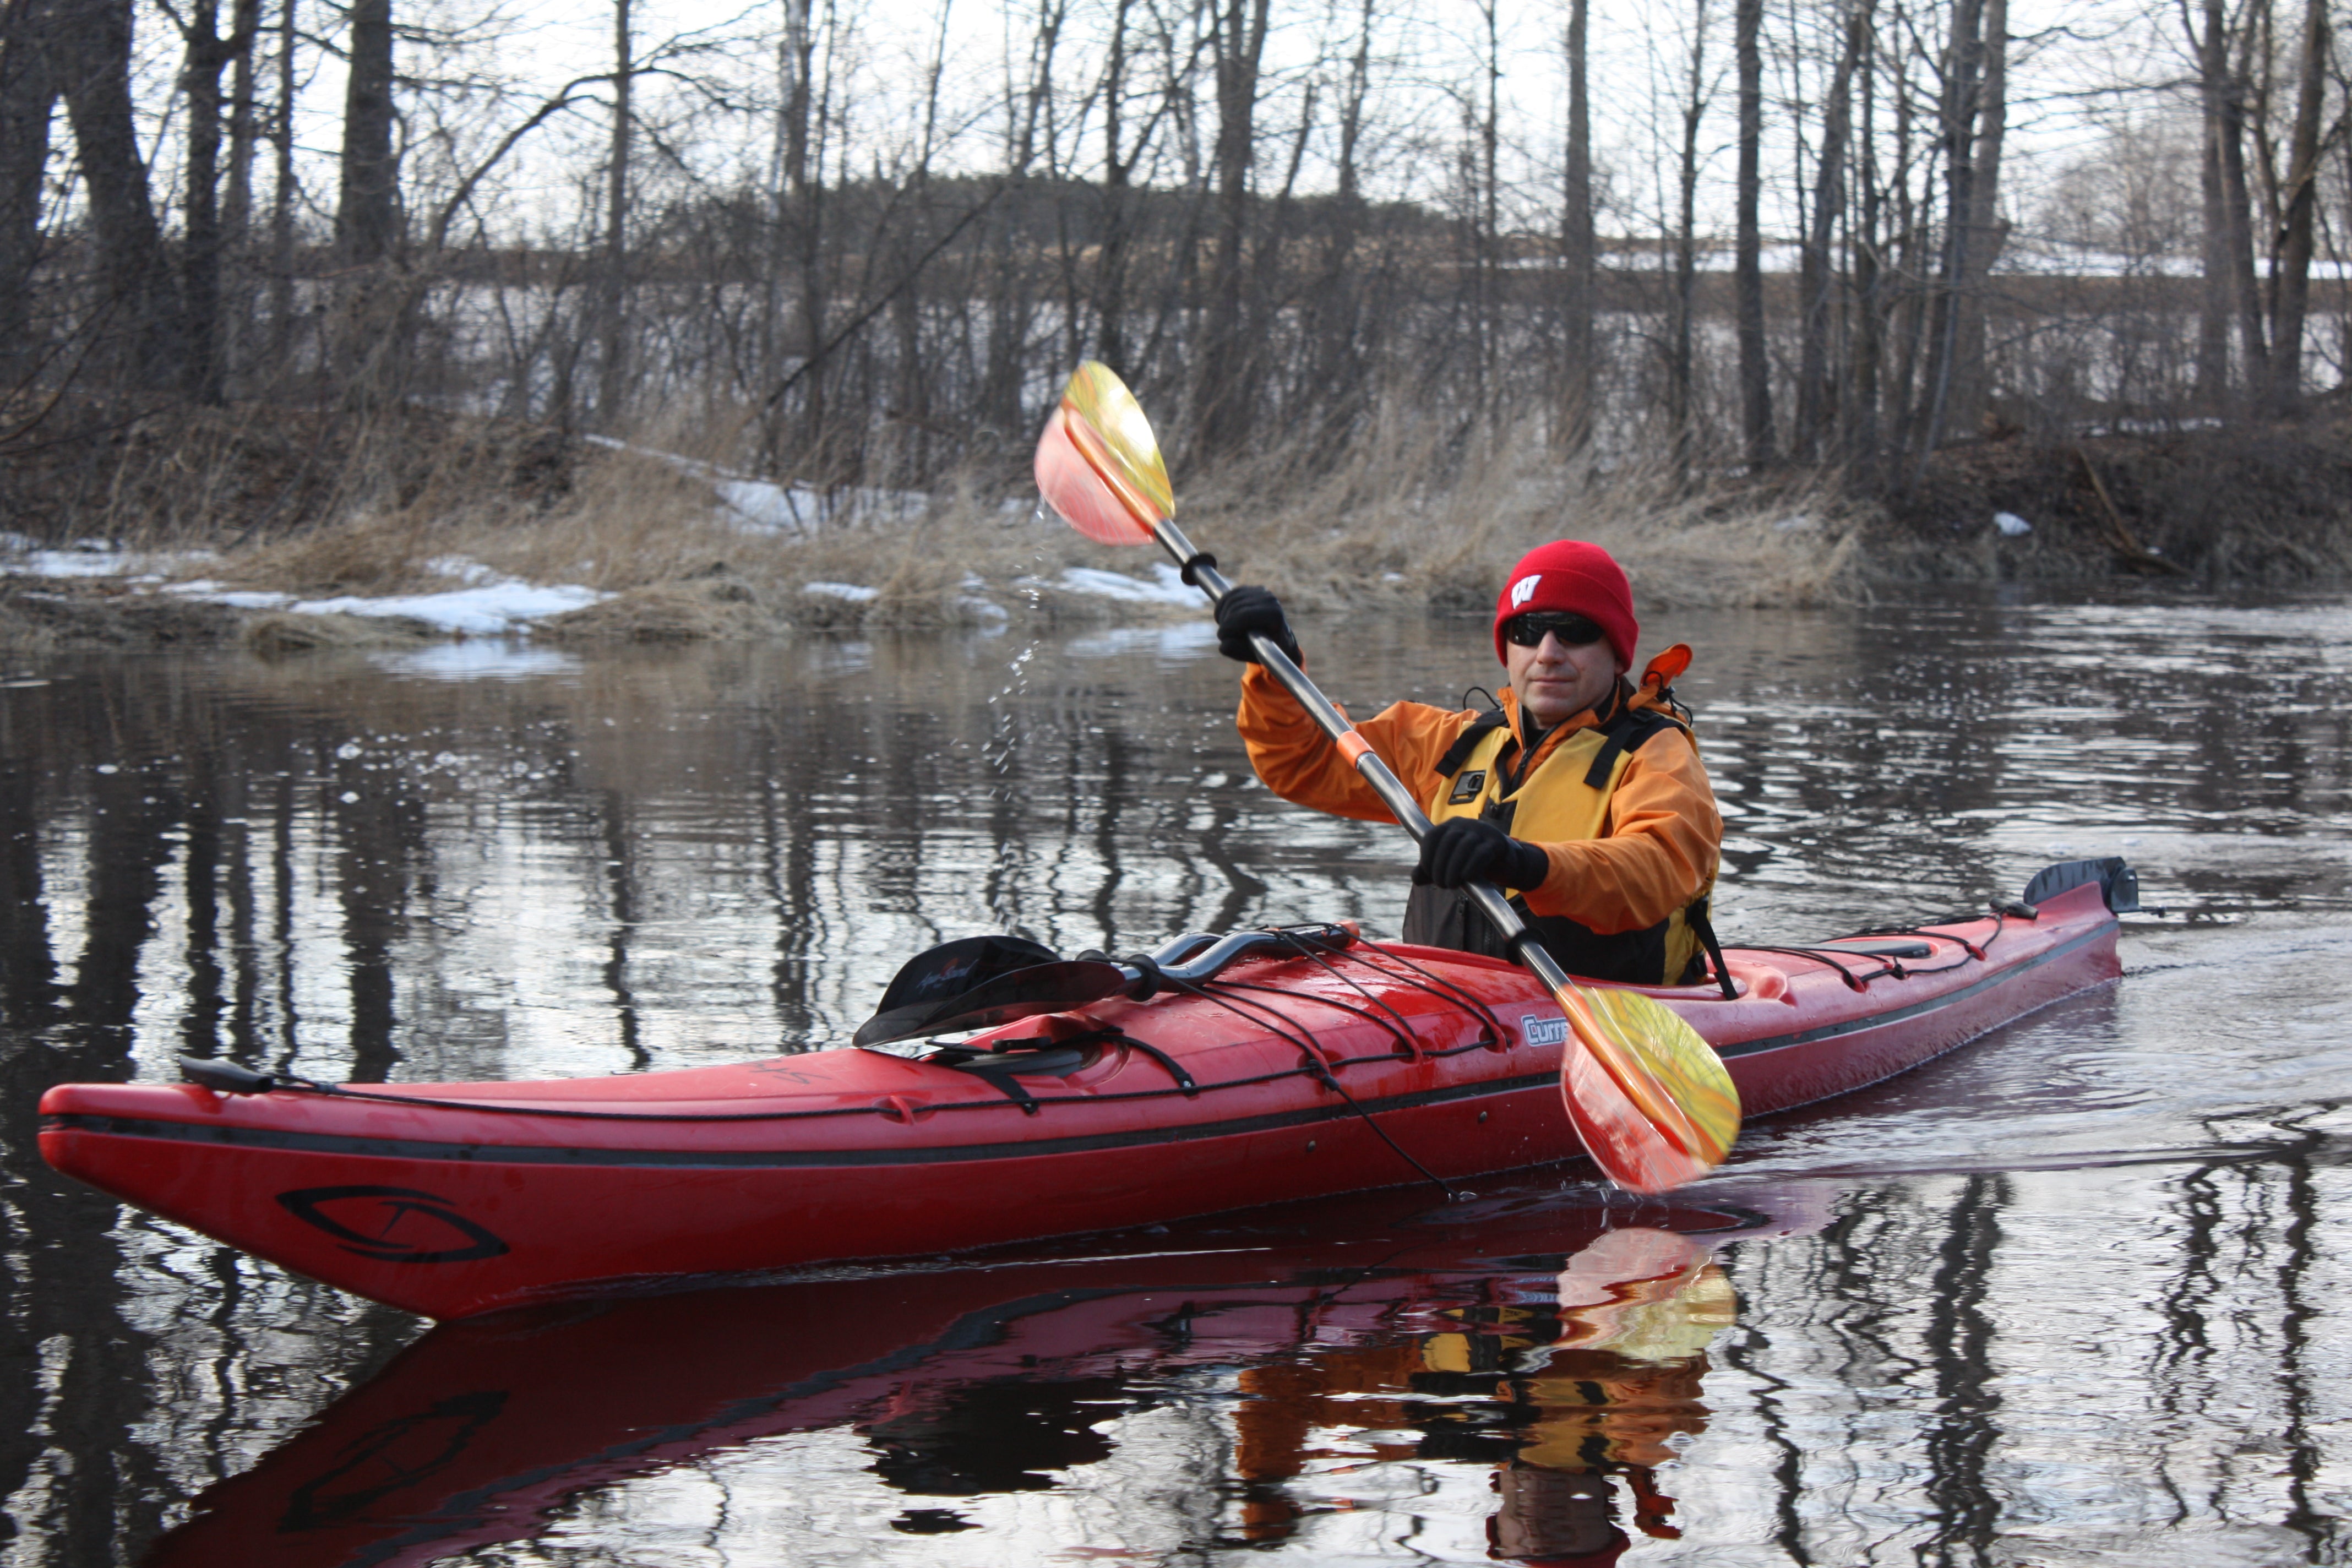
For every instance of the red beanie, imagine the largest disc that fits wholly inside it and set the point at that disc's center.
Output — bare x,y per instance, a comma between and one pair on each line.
1578,578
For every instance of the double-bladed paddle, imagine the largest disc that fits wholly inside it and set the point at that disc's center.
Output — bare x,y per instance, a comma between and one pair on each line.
1651,1100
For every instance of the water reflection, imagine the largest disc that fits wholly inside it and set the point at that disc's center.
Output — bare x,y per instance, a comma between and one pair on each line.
2073,1295
1525,1338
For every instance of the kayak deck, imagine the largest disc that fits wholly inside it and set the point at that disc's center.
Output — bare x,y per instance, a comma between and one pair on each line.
1285,1078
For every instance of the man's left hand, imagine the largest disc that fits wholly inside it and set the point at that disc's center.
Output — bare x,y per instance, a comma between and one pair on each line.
1465,849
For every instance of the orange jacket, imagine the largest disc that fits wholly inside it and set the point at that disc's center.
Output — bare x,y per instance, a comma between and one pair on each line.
1664,834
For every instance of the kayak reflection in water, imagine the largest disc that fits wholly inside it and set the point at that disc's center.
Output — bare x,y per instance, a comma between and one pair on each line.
1594,1385
1581,795
972,1384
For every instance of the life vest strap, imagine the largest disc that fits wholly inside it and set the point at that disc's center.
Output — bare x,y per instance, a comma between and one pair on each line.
1468,742
1627,733
1694,916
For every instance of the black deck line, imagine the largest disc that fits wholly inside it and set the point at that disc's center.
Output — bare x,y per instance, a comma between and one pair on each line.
1828,1031
547,1154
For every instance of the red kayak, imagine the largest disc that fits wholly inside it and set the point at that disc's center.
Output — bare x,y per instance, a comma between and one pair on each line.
1299,1071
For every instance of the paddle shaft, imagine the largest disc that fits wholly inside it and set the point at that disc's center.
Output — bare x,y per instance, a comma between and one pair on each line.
1639,1086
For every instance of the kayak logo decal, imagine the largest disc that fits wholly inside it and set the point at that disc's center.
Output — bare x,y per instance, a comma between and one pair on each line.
1525,589
1537,1030
394,1225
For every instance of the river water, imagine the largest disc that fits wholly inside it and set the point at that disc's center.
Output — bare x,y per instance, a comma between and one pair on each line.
2074,1293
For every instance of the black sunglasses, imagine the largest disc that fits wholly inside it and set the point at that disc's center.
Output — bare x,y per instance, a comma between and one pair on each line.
1572,630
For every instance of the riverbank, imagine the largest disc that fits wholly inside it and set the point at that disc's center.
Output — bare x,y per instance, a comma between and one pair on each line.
304,531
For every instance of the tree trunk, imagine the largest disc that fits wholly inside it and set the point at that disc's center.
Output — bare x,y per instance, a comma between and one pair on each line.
95,38
1579,269
1678,349
236,200
1012,313
2213,387
1814,272
1487,240
916,373
1337,353
282,193
367,213
2298,223
613,339
1957,113
367,208
1971,376
1110,270
1906,311
1860,436
1748,269
207,53
1221,392
244,135
28,94
799,210
2225,98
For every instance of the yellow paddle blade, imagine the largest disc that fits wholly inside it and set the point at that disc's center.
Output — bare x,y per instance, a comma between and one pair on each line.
1631,1145
1098,403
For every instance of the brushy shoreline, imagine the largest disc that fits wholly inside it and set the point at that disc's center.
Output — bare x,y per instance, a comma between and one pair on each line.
1412,520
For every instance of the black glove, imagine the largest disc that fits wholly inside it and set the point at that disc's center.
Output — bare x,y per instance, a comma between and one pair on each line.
1252,609
1465,849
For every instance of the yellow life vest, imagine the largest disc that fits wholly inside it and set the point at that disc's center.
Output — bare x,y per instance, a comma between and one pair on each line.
1565,796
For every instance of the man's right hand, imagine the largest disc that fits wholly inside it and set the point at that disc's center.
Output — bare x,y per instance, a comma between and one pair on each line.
1252,609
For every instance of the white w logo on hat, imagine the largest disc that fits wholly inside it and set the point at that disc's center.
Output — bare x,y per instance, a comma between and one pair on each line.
1525,589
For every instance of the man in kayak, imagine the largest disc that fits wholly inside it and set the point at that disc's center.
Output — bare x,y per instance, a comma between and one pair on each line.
1581,795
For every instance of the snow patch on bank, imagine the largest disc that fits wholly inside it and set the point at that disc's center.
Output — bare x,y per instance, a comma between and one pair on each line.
762,505
493,606
1167,585
94,558
855,593
492,610
487,605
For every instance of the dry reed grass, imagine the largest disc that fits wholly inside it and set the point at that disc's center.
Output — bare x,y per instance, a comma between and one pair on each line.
1408,522
1408,518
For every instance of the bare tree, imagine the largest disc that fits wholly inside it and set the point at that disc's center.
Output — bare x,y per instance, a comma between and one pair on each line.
1747,270
1957,117
207,53
2298,223
1815,273
1679,362
140,301
367,211
1222,387
1120,159
1986,235
282,188
2224,91
1860,408
614,341
28,92
1578,269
